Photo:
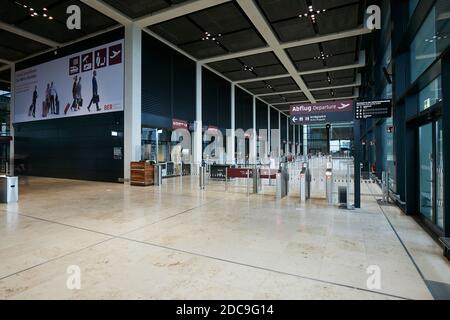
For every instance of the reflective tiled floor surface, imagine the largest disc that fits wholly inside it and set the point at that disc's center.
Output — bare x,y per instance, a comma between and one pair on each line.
177,242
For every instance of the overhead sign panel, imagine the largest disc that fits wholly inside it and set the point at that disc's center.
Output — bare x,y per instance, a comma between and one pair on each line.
321,113
373,109
84,83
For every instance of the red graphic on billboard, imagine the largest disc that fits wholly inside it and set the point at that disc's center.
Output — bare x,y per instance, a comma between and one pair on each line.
115,54
100,58
179,124
86,62
74,65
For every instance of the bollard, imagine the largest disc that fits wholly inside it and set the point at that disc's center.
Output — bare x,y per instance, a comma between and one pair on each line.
157,175
255,180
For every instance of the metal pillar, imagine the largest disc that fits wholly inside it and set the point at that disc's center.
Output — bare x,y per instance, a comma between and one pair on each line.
254,154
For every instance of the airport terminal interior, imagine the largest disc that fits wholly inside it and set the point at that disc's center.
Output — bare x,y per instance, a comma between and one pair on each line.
225,149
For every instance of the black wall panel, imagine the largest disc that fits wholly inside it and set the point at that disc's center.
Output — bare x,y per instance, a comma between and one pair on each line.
168,84
216,101
261,115
244,110
72,148
274,119
76,147
283,128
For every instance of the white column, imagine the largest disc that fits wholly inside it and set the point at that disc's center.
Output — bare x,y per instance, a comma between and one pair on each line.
231,147
255,133
11,117
269,138
279,128
132,108
197,143
305,140
294,147
287,136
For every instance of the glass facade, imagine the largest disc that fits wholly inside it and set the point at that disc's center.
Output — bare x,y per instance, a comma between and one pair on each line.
431,94
431,39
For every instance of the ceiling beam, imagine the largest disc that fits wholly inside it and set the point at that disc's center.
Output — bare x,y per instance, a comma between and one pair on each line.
237,55
6,61
360,64
256,17
176,11
3,68
357,83
20,32
108,11
329,37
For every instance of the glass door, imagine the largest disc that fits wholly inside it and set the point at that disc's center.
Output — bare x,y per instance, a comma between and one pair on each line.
439,176
431,173
426,160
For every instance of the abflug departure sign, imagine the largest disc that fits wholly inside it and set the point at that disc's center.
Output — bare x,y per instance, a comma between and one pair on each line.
327,112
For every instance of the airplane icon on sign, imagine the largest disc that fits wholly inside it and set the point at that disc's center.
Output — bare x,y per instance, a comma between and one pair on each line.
115,54
343,106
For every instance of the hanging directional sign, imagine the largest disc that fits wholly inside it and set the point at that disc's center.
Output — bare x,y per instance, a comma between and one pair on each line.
373,109
321,113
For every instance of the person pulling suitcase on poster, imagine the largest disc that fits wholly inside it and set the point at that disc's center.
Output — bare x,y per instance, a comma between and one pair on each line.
32,110
95,97
78,94
74,95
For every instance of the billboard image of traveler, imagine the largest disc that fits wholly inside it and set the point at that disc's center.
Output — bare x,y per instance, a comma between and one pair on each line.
88,82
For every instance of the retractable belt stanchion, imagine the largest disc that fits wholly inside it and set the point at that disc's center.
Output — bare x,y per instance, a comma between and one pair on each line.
226,179
202,177
329,181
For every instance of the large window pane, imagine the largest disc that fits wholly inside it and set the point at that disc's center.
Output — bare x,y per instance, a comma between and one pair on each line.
431,94
426,170
431,39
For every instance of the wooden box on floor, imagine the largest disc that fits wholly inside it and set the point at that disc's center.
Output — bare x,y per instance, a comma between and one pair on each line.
142,174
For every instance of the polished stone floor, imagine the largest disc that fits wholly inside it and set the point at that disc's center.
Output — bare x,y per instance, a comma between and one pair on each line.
177,242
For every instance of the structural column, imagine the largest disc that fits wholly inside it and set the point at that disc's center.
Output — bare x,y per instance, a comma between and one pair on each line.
305,140
255,134
294,147
132,109
231,147
279,136
269,134
197,143
11,117
287,137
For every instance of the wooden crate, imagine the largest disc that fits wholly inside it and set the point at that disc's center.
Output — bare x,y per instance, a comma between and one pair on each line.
142,174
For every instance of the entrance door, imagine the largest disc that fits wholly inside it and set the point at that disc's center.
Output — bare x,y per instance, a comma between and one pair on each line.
426,159
431,173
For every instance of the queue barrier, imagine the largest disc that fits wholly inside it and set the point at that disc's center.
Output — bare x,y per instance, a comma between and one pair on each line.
238,173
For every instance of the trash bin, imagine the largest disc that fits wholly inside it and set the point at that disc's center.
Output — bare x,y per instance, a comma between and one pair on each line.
9,189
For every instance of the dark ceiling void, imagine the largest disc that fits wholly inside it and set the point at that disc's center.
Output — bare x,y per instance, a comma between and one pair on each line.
249,67
330,54
211,32
271,86
301,19
333,93
14,13
327,79
281,98
139,8
14,47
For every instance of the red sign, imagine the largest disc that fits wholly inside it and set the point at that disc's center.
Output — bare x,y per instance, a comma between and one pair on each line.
268,173
179,124
239,173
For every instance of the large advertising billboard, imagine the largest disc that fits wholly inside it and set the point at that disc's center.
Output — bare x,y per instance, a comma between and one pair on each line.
320,113
88,82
